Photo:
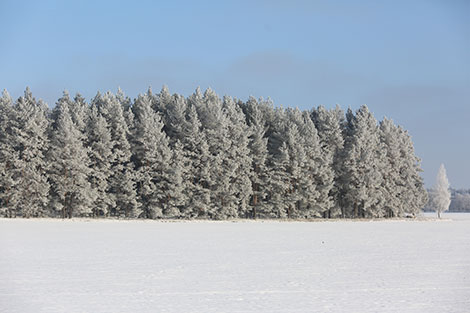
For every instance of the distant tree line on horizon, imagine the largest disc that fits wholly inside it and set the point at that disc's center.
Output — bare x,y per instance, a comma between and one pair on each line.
459,201
202,156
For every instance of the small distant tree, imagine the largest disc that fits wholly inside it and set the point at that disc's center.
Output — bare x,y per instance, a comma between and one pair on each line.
441,193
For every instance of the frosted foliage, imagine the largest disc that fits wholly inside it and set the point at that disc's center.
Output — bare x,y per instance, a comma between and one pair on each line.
7,156
99,142
153,158
441,192
239,156
259,153
69,165
23,137
121,182
29,137
364,157
202,156
328,124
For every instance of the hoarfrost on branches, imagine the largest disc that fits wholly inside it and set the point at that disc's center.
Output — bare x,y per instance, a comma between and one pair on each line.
164,155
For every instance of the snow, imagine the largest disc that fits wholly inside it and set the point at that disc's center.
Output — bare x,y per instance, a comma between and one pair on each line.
147,266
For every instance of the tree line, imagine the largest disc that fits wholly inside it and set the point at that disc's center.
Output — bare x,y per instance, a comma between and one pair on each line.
459,201
202,156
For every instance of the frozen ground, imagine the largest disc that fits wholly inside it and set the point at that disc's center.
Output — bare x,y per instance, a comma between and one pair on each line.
143,266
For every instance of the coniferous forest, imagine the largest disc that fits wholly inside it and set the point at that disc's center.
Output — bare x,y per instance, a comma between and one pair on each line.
202,156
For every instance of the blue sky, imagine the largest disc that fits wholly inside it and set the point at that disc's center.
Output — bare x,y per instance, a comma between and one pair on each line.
407,60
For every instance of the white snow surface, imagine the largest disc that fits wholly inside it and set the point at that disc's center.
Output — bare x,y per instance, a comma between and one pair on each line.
146,266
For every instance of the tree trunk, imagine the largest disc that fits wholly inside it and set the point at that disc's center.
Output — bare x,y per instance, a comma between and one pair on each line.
64,206
255,202
355,210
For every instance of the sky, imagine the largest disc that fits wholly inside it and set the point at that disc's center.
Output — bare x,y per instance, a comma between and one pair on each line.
407,60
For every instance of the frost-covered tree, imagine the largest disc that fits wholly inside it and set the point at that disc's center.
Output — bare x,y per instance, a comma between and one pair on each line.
68,160
329,126
259,154
239,157
153,159
175,184
122,181
8,157
176,125
403,192
215,126
28,127
196,151
317,179
79,112
414,195
167,156
440,196
363,157
279,190
460,201
391,170
100,153
280,184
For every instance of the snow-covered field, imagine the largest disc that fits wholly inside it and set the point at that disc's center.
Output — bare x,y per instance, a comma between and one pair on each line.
145,266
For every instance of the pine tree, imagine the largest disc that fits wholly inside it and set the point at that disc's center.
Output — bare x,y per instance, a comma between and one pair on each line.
68,165
393,186
29,138
259,155
8,157
165,156
279,183
279,166
239,158
122,181
294,169
175,197
403,186
317,178
329,126
215,124
79,113
153,157
100,153
362,176
414,196
175,119
197,178
160,103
